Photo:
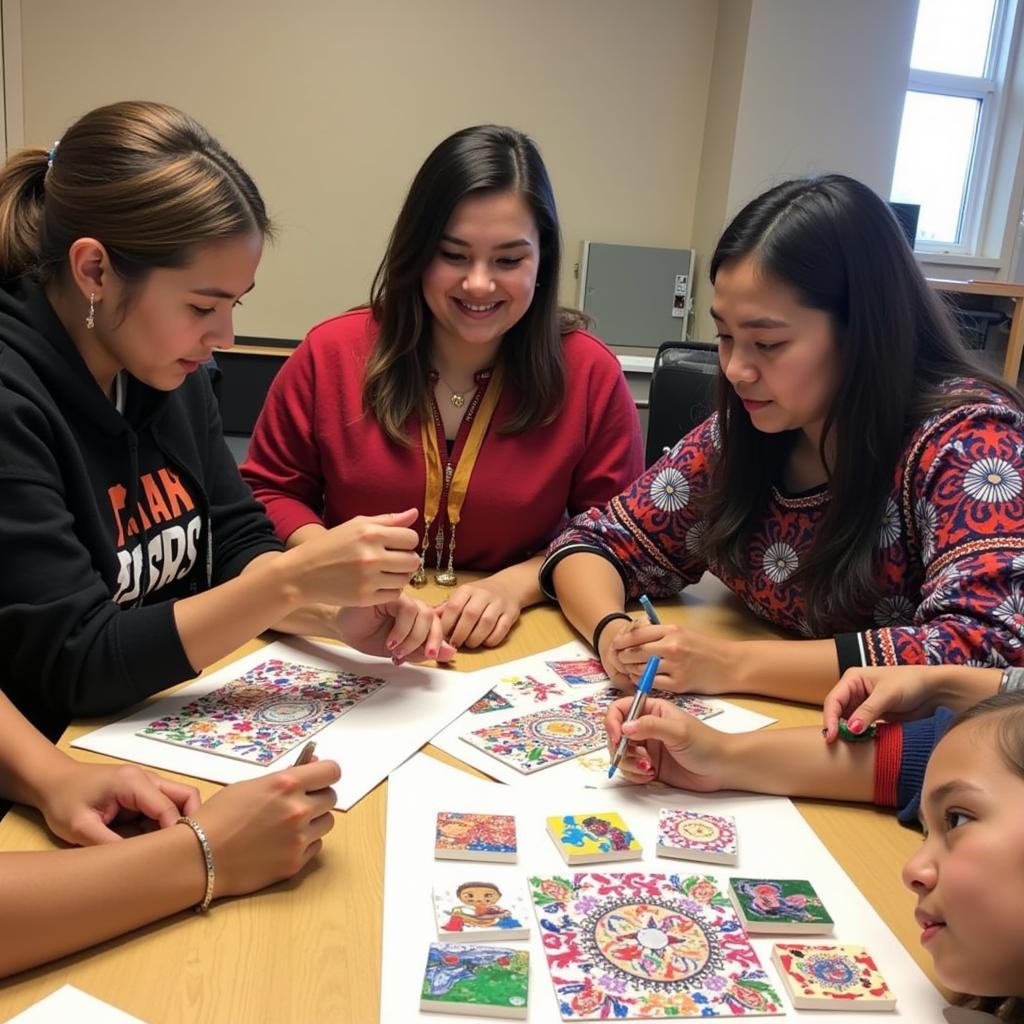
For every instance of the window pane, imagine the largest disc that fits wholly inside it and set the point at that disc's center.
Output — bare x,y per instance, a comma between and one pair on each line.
952,36
933,161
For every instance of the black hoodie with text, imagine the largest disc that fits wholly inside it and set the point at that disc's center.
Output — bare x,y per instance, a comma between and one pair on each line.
105,519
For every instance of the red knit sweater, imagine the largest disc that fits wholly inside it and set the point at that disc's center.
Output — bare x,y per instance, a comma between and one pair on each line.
316,457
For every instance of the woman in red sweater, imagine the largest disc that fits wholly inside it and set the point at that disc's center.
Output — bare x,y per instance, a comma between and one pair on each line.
462,394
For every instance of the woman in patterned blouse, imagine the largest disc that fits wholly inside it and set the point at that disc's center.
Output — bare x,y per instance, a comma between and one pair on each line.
860,484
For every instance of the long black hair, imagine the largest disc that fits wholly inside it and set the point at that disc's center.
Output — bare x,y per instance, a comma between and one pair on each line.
475,161
838,246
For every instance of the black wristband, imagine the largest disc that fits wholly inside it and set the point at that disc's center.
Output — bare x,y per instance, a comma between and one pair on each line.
599,628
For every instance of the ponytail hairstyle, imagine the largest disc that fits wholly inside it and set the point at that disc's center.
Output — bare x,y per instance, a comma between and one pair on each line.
486,159
145,180
838,246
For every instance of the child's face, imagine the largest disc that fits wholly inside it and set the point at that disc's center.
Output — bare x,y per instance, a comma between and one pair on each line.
969,873
479,897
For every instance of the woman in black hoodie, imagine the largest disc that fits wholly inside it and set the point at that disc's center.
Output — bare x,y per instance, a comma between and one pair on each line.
133,554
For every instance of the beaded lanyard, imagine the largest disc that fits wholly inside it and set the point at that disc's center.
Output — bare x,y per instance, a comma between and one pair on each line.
456,481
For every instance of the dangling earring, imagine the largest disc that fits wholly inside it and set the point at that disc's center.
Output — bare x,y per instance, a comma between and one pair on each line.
90,320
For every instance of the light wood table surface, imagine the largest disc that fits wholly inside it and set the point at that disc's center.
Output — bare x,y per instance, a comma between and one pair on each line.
309,949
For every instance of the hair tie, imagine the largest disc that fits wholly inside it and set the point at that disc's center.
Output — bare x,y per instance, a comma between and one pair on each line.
52,155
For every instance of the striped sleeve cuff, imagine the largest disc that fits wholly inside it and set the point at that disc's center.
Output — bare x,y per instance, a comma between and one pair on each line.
888,756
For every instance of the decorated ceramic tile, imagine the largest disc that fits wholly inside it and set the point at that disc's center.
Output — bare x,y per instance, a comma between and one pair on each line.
265,713
647,946
832,978
462,836
697,835
490,701
538,740
476,910
592,838
580,672
772,905
485,981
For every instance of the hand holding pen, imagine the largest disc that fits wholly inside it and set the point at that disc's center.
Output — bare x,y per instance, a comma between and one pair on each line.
636,709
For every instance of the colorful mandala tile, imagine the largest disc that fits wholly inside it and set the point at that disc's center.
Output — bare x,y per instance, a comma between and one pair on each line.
832,978
268,711
696,835
543,738
648,946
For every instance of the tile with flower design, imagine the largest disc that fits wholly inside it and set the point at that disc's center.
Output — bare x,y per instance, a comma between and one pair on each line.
697,835
270,710
832,978
627,946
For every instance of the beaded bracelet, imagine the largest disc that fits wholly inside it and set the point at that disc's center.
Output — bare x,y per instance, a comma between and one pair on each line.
599,628
211,873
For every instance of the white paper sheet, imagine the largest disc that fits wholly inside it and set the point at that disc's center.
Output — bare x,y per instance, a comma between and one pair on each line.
774,842
71,1004
733,719
376,735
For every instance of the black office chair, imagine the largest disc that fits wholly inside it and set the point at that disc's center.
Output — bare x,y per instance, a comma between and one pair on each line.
682,393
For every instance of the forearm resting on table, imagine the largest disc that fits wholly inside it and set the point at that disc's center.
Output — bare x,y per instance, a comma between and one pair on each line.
800,670
588,588
55,902
798,762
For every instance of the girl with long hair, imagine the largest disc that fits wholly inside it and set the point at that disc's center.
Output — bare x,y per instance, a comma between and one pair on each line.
462,393
861,484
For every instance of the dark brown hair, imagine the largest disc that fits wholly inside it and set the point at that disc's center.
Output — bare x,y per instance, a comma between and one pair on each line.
144,179
838,246
475,161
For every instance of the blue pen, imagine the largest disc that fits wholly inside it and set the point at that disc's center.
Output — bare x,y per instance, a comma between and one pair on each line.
642,689
652,615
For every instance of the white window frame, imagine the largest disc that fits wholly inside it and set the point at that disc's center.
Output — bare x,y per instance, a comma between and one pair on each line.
989,90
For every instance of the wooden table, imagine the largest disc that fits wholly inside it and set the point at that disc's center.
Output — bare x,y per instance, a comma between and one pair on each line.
309,949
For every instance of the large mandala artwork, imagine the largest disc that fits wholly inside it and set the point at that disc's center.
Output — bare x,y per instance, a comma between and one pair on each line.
265,713
547,737
628,946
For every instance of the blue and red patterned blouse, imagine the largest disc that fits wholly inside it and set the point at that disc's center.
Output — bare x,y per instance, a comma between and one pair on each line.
951,541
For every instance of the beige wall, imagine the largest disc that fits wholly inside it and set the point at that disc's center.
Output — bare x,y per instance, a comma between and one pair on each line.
821,86
333,104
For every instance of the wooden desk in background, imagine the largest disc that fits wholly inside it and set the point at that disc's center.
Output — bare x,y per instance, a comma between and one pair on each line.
1014,294
310,949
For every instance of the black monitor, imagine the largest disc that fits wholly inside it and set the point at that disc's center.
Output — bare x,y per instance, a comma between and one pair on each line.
907,214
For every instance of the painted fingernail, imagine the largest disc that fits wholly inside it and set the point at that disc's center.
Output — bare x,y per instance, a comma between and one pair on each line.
431,652
644,766
824,732
855,725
